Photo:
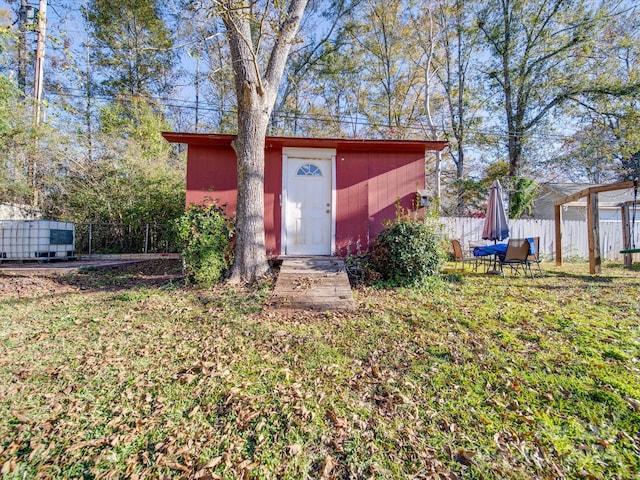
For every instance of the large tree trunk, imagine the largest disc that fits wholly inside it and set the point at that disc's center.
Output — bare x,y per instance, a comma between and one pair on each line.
251,259
256,93
515,153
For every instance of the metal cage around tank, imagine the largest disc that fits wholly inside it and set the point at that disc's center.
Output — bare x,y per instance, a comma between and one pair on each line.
36,240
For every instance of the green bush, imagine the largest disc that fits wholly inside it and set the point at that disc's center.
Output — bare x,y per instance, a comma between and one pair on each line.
205,232
522,197
407,251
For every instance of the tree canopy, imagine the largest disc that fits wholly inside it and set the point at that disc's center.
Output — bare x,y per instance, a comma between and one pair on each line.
549,87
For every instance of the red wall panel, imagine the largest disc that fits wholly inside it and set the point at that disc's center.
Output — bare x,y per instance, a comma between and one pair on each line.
272,192
368,182
212,176
393,176
352,223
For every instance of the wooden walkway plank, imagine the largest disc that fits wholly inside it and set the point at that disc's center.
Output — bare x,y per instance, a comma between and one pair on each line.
313,283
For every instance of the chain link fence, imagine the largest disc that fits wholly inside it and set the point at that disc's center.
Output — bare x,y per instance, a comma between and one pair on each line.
119,238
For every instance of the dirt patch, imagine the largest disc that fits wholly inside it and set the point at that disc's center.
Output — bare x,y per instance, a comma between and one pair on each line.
19,286
34,283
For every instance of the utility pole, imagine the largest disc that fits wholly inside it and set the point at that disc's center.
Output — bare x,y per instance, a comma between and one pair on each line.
32,171
25,19
197,89
88,89
39,74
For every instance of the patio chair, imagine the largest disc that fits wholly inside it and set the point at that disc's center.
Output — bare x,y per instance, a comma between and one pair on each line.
535,257
459,255
516,256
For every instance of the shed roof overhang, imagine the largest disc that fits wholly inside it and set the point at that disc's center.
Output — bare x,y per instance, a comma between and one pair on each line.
223,140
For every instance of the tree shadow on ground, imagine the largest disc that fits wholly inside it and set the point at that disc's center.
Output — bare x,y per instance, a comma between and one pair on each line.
152,273
586,277
34,286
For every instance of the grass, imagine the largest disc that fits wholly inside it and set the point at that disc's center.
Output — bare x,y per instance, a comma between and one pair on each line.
472,377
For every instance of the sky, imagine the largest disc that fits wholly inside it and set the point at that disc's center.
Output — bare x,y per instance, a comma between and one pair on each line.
64,20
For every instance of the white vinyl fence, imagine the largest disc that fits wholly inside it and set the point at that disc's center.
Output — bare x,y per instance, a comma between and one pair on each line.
574,236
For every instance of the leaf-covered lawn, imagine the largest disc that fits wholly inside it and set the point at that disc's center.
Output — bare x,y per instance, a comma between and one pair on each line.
473,377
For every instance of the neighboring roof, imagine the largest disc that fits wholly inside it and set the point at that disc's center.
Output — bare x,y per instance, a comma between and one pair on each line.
564,189
614,198
271,142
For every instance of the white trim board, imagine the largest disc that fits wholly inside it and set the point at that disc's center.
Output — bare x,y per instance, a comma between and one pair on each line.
306,153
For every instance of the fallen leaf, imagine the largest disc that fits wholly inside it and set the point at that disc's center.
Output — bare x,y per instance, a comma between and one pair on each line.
295,449
22,418
633,403
204,475
176,466
8,467
337,422
88,443
187,379
465,457
448,451
328,464
213,463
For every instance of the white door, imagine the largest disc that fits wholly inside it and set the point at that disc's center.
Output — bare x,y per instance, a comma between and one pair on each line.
308,206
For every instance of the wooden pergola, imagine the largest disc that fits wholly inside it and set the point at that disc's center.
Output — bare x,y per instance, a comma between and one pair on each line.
593,222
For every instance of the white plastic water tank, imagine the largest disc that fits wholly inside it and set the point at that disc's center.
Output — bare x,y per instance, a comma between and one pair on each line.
36,239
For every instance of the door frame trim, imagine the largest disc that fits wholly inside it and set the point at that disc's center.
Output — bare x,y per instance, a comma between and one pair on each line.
311,154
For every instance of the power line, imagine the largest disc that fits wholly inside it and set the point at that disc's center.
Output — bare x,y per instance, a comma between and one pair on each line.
343,121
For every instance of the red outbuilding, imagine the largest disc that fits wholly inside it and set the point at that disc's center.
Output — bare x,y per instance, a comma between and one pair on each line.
322,196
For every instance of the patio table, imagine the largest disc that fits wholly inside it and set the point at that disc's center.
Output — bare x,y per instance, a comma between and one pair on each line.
490,251
486,250
498,250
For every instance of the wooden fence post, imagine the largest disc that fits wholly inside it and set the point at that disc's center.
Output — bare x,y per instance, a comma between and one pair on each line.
558,225
593,227
626,235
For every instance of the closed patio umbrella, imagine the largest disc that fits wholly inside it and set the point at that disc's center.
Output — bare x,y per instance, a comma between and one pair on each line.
495,222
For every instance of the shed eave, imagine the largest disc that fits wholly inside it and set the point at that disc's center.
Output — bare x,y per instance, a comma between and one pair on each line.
337,143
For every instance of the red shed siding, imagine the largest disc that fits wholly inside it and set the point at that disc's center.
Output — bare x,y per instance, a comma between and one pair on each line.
212,175
272,192
370,176
352,214
392,177
368,184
